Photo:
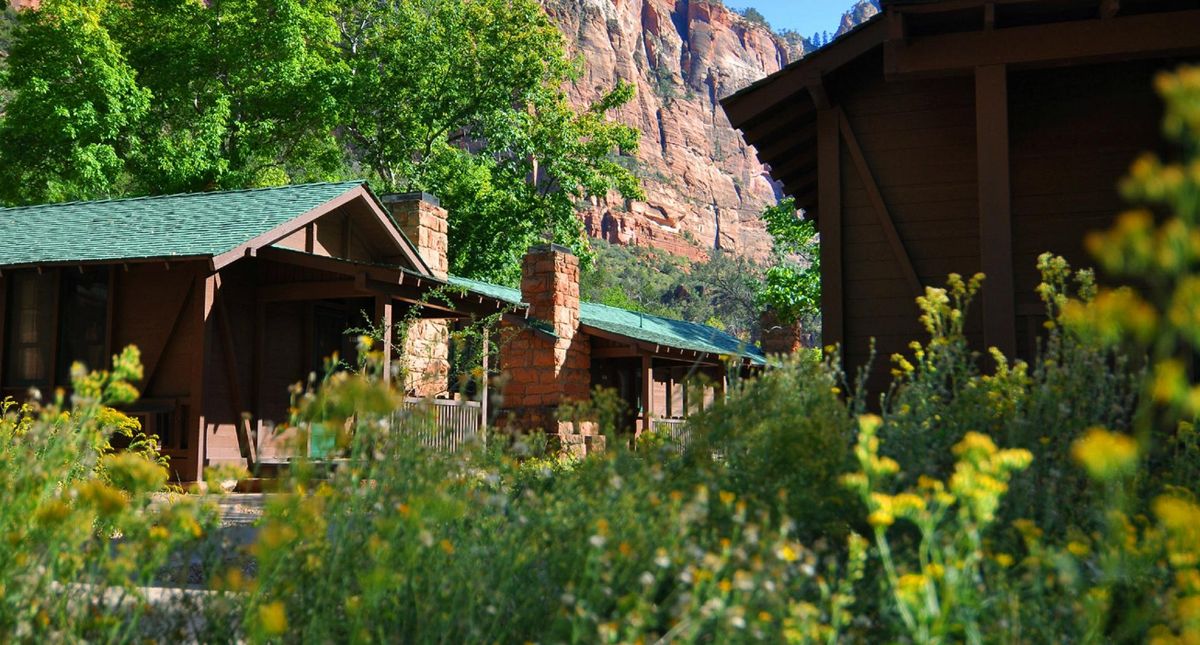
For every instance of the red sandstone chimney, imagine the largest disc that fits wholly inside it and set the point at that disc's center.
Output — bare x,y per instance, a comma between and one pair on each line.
426,355
778,338
424,222
544,371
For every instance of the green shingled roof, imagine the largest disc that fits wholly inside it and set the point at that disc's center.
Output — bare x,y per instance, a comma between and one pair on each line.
190,225
677,334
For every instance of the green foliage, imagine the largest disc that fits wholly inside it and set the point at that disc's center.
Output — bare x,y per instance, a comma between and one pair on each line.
719,290
791,287
463,99
753,15
73,109
246,92
792,450
82,531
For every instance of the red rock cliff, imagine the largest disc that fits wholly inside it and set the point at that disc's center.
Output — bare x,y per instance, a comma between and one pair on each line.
704,187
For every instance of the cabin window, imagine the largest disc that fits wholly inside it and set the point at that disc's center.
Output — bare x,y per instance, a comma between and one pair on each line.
54,319
83,326
31,328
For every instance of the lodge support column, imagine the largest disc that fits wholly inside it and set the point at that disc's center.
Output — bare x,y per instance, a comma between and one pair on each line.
483,385
647,392
383,318
995,208
829,198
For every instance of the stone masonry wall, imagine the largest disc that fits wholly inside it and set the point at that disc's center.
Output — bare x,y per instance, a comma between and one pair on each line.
426,350
543,373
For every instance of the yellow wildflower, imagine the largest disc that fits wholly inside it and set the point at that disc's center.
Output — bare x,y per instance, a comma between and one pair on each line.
273,617
1105,454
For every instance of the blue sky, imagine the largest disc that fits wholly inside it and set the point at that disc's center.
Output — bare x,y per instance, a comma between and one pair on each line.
805,16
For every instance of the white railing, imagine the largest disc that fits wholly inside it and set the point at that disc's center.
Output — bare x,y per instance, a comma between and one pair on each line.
440,424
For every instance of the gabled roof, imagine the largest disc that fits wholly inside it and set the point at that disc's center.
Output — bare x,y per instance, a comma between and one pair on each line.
193,225
676,334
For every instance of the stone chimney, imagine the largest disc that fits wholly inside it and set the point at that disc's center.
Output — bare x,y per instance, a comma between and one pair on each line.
425,357
778,338
424,222
547,361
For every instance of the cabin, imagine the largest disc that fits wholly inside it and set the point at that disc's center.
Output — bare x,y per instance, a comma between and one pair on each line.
235,296
962,136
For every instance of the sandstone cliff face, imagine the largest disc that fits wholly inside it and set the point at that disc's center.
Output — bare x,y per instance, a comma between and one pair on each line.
704,188
860,12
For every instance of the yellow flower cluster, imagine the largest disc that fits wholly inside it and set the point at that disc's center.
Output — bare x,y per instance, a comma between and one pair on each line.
1105,455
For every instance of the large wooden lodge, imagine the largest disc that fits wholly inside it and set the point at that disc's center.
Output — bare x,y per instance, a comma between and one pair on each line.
962,136
234,296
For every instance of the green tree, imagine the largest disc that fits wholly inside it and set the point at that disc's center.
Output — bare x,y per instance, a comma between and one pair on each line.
245,91
466,100
73,106
792,285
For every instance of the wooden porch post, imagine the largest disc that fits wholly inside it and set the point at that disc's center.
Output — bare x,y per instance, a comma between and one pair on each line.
483,385
829,197
647,393
383,318
995,208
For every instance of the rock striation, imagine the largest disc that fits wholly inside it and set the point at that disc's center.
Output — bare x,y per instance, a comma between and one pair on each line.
704,187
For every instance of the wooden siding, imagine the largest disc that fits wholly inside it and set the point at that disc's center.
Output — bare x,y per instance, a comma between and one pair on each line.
1074,133
916,147
157,310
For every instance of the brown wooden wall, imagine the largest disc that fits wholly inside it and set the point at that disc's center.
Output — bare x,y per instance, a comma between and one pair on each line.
1072,134
917,141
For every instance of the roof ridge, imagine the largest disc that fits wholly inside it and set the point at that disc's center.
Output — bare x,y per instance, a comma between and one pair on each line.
139,198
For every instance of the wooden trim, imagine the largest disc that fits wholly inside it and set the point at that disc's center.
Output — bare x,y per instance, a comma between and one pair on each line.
616,352
995,208
765,95
383,318
316,290
241,423
484,380
152,358
279,232
4,294
259,358
55,332
647,393
205,287
881,211
829,204
110,307
1062,43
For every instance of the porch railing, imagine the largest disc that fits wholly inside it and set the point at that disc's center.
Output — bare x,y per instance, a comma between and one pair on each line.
440,424
676,429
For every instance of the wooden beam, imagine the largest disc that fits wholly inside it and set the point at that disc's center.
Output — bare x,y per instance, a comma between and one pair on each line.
483,385
766,95
3,325
240,420
318,290
383,319
881,211
616,352
1149,35
829,187
787,141
55,321
995,208
155,353
647,393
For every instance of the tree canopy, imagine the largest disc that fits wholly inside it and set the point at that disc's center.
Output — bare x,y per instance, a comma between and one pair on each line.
792,285
465,99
